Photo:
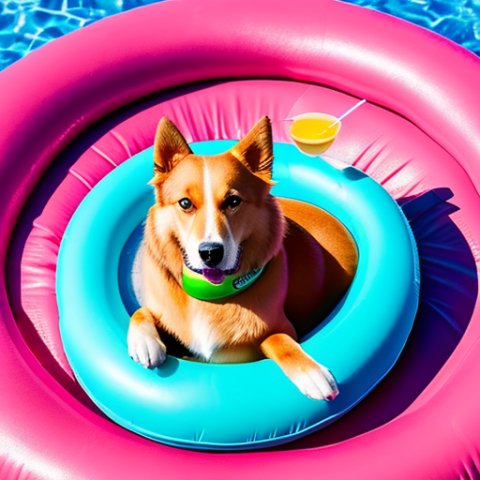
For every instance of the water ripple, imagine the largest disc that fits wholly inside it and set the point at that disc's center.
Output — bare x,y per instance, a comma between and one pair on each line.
28,24
458,20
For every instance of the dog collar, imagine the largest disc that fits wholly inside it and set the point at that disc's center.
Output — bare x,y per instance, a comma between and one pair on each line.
197,286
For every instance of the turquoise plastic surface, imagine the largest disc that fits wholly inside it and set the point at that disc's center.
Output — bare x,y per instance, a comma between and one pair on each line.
242,406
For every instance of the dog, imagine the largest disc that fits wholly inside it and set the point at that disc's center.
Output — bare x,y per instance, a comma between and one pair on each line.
214,217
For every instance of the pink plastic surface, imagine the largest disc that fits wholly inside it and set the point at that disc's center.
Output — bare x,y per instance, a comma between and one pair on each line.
423,421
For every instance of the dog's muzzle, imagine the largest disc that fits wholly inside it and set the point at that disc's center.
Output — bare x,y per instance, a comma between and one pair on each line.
211,253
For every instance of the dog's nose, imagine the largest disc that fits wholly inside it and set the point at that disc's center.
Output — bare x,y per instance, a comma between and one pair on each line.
211,253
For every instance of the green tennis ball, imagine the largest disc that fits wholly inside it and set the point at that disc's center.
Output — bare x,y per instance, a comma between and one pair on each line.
197,286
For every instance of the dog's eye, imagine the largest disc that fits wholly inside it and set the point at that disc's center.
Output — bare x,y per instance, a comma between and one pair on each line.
185,204
232,202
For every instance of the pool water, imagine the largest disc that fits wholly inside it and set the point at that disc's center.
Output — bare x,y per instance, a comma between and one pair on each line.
458,20
28,24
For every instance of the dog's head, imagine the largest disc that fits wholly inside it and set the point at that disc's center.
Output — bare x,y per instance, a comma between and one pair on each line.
217,210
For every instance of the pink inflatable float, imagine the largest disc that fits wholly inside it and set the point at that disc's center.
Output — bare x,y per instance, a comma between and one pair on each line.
214,68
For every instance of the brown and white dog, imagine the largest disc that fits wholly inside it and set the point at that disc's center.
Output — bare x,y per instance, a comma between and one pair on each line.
216,215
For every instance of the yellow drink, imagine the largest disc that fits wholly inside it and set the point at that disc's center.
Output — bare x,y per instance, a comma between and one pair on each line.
314,133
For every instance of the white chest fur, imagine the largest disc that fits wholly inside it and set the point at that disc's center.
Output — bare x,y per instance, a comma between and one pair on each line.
204,341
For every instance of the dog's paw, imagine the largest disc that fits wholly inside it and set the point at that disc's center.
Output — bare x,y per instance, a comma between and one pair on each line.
316,382
145,345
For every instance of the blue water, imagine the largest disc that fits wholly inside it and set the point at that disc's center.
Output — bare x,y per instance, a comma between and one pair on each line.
28,24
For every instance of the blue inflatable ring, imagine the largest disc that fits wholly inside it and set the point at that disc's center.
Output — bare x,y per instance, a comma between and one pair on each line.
242,406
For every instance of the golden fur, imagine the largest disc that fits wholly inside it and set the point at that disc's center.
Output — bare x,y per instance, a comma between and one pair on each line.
310,260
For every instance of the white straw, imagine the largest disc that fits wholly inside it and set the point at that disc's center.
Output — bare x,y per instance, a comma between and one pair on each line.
339,119
348,112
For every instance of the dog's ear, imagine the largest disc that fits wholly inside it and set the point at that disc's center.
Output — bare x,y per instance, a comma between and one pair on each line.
169,148
255,150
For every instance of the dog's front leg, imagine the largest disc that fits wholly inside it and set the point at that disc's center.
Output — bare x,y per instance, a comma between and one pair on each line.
312,379
144,343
